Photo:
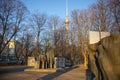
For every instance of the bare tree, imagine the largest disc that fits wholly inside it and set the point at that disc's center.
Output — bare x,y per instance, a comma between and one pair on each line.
105,15
37,21
80,21
72,40
46,41
114,16
54,24
27,41
11,16
60,46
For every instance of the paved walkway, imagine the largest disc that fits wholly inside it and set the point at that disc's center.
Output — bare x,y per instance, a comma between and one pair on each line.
74,73
17,73
78,73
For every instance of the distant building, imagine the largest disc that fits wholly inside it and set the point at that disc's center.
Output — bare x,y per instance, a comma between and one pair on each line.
9,49
12,48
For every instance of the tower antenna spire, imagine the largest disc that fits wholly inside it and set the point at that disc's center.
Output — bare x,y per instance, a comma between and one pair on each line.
66,21
66,7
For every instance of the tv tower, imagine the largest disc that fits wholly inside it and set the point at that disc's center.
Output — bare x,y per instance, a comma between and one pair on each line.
66,21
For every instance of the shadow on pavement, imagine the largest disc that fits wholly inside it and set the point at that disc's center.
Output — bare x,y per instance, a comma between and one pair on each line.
88,75
56,74
12,70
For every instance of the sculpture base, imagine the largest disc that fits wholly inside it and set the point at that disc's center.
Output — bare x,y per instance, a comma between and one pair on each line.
40,70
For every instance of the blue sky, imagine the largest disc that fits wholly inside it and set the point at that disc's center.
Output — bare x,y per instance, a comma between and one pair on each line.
56,7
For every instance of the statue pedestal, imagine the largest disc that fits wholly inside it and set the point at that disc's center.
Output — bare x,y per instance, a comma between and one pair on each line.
37,65
43,65
55,63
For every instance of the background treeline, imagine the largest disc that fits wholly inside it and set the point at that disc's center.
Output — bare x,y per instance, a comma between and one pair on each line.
38,32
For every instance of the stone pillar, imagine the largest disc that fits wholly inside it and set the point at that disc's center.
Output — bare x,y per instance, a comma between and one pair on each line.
85,61
50,64
37,65
42,64
45,64
54,62
51,61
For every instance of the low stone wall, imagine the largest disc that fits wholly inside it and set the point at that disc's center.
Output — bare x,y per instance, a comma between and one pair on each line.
59,62
31,61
